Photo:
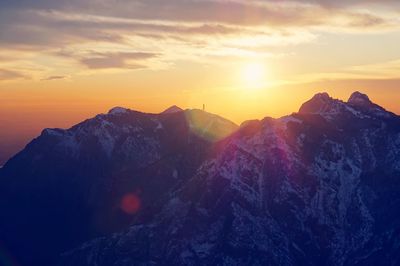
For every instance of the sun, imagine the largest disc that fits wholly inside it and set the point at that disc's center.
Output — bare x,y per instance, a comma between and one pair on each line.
254,75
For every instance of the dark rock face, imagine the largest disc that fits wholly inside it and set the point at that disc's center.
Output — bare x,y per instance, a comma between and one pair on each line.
68,186
359,99
319,187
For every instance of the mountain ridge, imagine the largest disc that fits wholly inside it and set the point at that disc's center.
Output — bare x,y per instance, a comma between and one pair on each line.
251,195
303,189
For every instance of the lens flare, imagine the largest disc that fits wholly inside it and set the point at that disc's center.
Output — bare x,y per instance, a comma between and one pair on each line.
130,203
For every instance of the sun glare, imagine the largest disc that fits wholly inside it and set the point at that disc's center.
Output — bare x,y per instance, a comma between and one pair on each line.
254,75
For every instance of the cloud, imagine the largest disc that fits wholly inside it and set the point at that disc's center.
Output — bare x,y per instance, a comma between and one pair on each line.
267,12
46,23
53,78
36,29
198,29
117,60
384,70
10,75
365,20
351,3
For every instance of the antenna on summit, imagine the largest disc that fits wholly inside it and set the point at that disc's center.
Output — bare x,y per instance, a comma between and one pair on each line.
204,107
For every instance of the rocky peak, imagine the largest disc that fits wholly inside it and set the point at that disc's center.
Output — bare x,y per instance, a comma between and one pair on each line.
118,110
322,96
362,102
172,109
320,103
359,99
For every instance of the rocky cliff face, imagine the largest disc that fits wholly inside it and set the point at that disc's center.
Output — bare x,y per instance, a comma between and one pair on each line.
318,187
68,186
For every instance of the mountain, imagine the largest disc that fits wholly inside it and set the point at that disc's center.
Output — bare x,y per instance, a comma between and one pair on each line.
172,109
318,187
68,186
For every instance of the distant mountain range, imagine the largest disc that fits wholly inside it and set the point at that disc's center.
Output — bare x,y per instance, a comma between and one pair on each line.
186,187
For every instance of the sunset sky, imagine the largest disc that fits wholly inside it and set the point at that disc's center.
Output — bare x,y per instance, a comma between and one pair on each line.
65,61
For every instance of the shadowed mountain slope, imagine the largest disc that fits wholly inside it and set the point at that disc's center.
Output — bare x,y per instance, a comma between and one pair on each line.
70,185
318,187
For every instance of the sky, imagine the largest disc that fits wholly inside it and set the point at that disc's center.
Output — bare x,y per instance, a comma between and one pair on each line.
67,60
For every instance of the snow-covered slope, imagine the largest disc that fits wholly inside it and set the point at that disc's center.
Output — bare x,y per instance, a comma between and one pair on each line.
68,186
318,187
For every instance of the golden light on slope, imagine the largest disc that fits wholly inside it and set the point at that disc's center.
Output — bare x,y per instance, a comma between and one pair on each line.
254,75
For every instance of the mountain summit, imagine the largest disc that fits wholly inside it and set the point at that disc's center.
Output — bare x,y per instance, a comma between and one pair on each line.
360,99
320,103
318,187
118,110
172,109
